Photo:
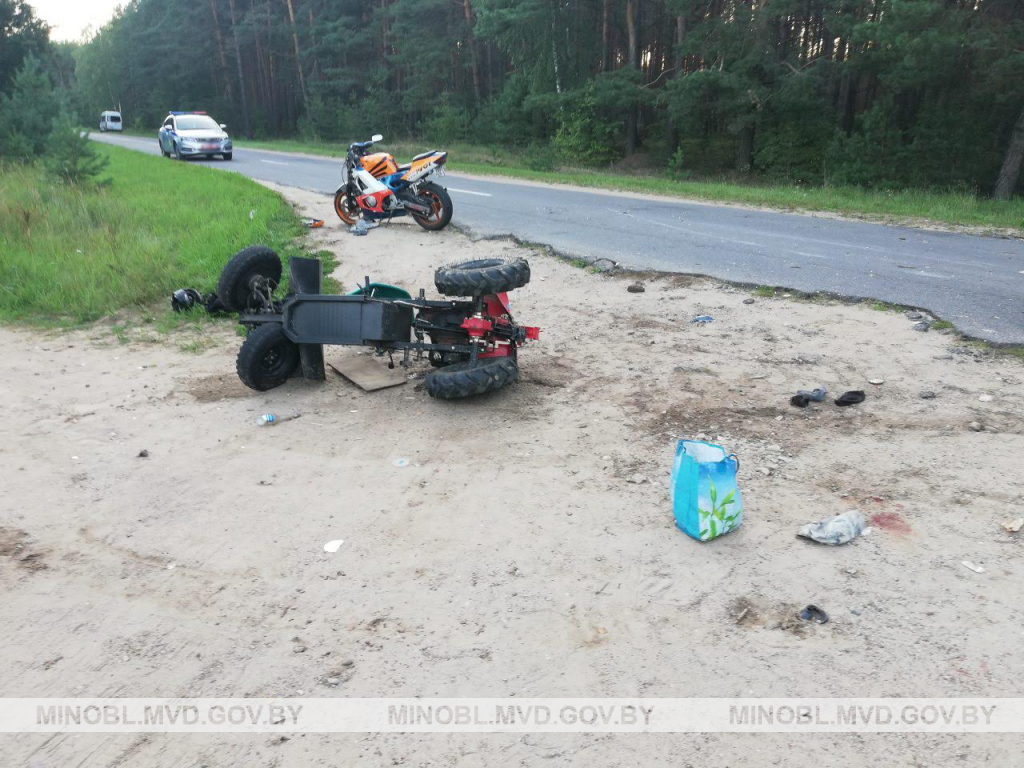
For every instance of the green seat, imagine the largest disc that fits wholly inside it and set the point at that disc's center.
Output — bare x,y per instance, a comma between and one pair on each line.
382,291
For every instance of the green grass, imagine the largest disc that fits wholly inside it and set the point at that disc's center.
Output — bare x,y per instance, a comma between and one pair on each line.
71,255
764,291
950,208
885,306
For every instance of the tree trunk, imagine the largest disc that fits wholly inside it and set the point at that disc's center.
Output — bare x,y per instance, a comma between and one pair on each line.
467,12
606,36
554,61
221,55
241,77
745,149
633,55
1010,172
678,61
298,56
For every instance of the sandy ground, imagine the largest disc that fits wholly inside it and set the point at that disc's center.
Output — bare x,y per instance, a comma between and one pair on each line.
513,556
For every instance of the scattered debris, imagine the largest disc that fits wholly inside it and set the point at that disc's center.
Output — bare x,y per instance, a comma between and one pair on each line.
814,614
985,398
927,394
703,319
313,223
915,316
852,397
638,479
742,614
976,426
367,373
608,265
403,462
807,358
923,326
360,228
835,530
972,566
334,545
270,419
143,454
876,382
636,287
804,396
748,301
299,649
1012,526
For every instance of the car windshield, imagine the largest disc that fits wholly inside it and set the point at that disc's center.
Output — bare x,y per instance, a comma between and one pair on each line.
197,123
114,119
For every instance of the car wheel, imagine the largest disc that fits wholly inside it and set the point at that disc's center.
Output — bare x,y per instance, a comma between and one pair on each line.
163,152
177,152
227,155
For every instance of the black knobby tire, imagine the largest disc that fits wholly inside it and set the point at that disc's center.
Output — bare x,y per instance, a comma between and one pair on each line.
227,155
235,286
482,277
441,203
468,379
267,358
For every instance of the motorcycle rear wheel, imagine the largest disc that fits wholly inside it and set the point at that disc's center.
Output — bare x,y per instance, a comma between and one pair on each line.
441,207
347,211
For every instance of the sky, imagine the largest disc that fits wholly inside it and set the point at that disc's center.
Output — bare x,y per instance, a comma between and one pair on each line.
69,17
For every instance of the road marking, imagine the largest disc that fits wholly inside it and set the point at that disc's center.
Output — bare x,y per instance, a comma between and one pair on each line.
273,162
468,192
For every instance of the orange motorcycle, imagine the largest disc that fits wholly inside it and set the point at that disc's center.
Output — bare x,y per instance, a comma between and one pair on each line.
375,187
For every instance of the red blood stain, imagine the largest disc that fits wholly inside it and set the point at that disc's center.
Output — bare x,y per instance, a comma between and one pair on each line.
890,521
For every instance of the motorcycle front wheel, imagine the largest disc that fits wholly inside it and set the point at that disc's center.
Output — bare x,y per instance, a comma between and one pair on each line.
346,209
440,207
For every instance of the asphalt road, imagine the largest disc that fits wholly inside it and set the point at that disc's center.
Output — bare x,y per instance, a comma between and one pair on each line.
975,282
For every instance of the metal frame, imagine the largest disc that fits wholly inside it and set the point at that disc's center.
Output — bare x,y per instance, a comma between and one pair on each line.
312,319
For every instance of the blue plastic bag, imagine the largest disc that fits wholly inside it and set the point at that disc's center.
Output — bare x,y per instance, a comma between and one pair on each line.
705,499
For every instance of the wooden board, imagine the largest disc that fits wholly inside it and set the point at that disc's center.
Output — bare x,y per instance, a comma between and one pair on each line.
367,372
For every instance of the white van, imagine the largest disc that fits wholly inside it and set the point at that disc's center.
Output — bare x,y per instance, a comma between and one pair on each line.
110,121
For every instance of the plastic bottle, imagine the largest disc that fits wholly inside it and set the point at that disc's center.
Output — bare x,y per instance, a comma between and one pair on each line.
269,419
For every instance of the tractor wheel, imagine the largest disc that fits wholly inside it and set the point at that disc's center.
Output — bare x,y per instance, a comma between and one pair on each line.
267,358
468,379
482,277
247,274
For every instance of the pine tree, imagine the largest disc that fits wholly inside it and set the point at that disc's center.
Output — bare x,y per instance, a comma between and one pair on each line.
70,155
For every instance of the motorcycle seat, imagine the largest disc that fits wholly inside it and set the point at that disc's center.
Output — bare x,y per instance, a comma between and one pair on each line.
424,154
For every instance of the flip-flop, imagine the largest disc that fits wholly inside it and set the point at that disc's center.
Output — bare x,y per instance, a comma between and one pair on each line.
850,398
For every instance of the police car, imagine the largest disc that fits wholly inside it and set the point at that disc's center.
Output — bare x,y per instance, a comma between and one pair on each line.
193,134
